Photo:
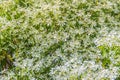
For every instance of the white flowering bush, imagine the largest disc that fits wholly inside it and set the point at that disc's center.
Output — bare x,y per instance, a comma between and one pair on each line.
59,40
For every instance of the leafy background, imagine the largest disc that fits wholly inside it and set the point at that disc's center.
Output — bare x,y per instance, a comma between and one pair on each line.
59,40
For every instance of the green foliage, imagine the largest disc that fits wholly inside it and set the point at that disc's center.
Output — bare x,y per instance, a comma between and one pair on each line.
59,40
105,52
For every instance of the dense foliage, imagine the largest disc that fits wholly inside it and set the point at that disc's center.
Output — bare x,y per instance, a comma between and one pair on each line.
59,40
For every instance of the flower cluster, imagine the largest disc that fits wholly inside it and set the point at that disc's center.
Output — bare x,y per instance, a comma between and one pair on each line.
59,40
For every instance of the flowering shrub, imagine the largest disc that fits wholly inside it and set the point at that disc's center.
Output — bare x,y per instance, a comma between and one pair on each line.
59,40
